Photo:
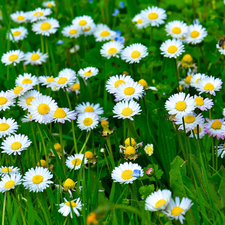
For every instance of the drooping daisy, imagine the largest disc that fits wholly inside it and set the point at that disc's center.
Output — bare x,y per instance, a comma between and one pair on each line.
89,30
172,48
111,49
140,22
39,14
196,78
45,27
35,57
185,83
20,90
177,29
199,130
88,72
19,17
13,56
6,101
63,114
7,127
215,128
180,104
27,118
48,4
221,150
196,34
26,78
14,144
75,87
176,210
104,33
89,107
124,173
126,109
72,31
134,53
4,170
17,34
145,85
65,208
87,121
75,161
209,85
38,179
149,149
82,21
154,15
9,182
26,99
203,103
46,80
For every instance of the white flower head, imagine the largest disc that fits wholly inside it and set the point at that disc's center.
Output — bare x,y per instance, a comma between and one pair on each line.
13,56
72,31
88,72
35,57
9,182
26,99
177,29
196,34
17,34
89,107
172,48
39,14
26,78
6,100
87,121
19,17
75,161
140,22
104,33
111,49
63,114
7,127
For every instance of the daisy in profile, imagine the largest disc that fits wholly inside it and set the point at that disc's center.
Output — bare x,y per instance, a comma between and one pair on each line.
20,90
19,17
87,121
115,81
111,49
26,99
72,31
145,85
126,110
196,78
124,173
154,15
17,34
180,104
39,14
10,170
134,53
75,161
37,180
203,103
158,200
129,91
65,208
27,118
75,87
215,128
46,80
185,83
82,21
104,33
35,57
199,130
7,127
176,210
13,56
209,85
6,100
9,182
221,150
177,29
196,34
88,72
45,27
48,4
27,78
140,22
172,48
14,144
89,30
63,114
89,107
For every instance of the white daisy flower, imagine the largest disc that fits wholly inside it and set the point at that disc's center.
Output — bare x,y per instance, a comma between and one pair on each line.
177,29
26,99
9,182
39,14
134,53
221,48
199,130
140,22
203,103
63,114
26,78
27,118
115,81
19,17
37,180
16,143
126,109
154,15
7,127
6,101
215,128
149,149
17,34
158,200
221,151
180,104
104,33
124,173
46,80
10,170
196,34
82,21
65,208
111,49
87,121
176,210
13,56
72,31
89,107
75,87
196,78
19,90
89,30
35,58
172,48
185,83
88,72
45,27
75,161
48,4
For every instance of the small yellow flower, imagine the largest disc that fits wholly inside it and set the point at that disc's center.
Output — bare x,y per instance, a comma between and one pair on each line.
130,142
69,184
92,218
149,149
43,163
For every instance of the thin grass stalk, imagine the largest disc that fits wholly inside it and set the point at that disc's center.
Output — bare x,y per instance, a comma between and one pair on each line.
139,66
62,147
3,211
110,148
177,74
87,137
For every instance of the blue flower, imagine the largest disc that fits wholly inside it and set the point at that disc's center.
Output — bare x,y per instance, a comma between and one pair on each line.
116,12
122,5
90,1
59,42
136,173
120,39
118,32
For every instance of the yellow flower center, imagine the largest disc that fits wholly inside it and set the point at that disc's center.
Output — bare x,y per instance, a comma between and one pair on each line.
27,81
9,184
126,174
3,100
43,109
4,126
112,51
38,14
176,30
197,80
70,184
89,155
129,150
105,33
34,56
196,130
82,22
104,123
87,121
71,203
62,80
172,49
189,119
30,116
49,5
73,31
149,150
57,146
176,211
194,34
199,101
129,91
187,58
17,90
76,162
76,87
224,145
89,109
59,113
20,17
188,79
50,79
45,26
152,16
119,82
160,203
127,111
13,57
29,100
37,179
139,21
16,33
143,83
6,170
181,106
16,145
209,87
216,125
88,73
43,163
130,141
135,54
87,28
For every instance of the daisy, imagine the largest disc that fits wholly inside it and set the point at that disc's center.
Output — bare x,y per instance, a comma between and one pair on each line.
20,90
196,78
42,109
72,31
176,210
111,49
46,80
89,30
87,121
196,34
26,78
9,182
89,107
177,29
154,15
37,180
203,104
19,17
140,22
82,21
75,87
149,149
7,127
199,130
134,53
185,83
17,34
45,27
115,81
126,109
129,91
209,85
158,200
124,173
4,170
180,104
16,143
221,150
172,48
13,56
27,118
49,4
88,72
215,128
63,114
65,208
26,99
35,58
221,48
104,33
39,14
75,161
6,100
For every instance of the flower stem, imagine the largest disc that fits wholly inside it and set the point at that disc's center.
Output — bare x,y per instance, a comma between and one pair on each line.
89,133
177,75
140,70
3,211
62,147
42,45
110,148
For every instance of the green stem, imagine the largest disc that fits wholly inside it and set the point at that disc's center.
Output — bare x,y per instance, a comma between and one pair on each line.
35,141
7,72
193,7
62,147
21,165
89,133
204,60
217,154
177,75
140,70
3,211
110,148
36,70
42,45
77,56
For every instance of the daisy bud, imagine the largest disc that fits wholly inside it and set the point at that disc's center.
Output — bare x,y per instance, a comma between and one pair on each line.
150,172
